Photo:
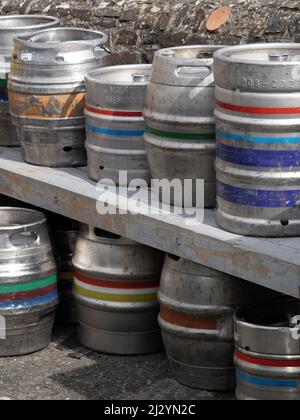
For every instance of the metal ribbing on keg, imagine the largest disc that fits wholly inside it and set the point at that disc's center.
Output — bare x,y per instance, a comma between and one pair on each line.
115,288
11,26
257,118
180,128
47,93
115,124
28,292
268,352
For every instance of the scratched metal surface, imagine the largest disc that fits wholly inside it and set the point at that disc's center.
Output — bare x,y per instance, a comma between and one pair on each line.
271,263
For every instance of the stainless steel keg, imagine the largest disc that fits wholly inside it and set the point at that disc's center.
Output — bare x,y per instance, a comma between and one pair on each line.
28,282
196,318
268,351
258,125
11,26
64,240
47,93
115,124
180,134
116,285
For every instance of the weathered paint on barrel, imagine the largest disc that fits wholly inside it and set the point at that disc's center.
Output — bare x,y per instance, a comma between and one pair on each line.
180,133
28,282
258,159
116,283
268,352
47,93
196,317
11,26
115,124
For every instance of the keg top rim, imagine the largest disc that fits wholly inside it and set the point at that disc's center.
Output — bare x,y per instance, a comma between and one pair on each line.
51,20
255,316
104,75
234,54
98,38
40,218
166,52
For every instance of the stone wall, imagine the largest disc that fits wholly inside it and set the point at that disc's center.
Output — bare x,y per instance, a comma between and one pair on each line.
142,26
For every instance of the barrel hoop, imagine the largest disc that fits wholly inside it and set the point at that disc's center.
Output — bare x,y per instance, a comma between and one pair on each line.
112,284
69,105
259,158
110,132
266,382
30,302
114,113
198,322
257,139
115,291
29,286
179,136
267,362
257,110
258,198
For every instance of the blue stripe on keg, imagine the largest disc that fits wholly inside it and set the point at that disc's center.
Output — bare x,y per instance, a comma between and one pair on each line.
259,158
258,198
259,140
272,383
122,133
29,302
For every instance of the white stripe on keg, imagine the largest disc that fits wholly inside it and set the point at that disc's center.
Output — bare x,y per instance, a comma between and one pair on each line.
113,291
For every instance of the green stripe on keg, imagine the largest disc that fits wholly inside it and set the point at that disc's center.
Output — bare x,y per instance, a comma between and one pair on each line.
3,83
24,287
178,136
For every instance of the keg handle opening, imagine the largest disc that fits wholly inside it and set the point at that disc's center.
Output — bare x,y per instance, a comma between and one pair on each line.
199,70
278,57
140,77
23,239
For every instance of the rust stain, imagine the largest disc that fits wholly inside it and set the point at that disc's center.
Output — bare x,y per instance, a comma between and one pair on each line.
47,106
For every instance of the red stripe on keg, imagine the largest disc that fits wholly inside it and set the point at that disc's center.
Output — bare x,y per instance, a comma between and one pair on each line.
8,297
113,113
267,362
111,284
188,321
259,111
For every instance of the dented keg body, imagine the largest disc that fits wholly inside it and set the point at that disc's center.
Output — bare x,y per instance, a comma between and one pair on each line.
196,318
28,282
268,352
115,288
115,124
180,126
258,125
47,93
11,26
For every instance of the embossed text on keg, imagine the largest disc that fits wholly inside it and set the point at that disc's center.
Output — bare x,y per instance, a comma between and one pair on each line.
296,329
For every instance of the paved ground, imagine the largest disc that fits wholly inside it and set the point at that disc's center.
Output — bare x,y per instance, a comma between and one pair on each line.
67,371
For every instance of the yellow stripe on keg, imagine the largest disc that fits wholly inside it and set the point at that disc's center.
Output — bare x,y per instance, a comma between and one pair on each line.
114,298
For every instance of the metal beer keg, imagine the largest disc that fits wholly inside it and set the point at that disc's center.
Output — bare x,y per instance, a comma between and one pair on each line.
47,93
115,124
11,26
180,133
196,318
258,126
268,352
28,282
116,285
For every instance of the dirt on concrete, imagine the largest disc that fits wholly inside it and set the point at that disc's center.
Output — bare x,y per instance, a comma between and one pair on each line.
67,371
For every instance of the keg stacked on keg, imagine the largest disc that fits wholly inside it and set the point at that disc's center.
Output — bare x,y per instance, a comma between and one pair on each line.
11,26
28,282
116,285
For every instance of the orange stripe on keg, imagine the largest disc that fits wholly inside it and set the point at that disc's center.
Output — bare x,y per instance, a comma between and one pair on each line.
47,106
113,113
188,321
